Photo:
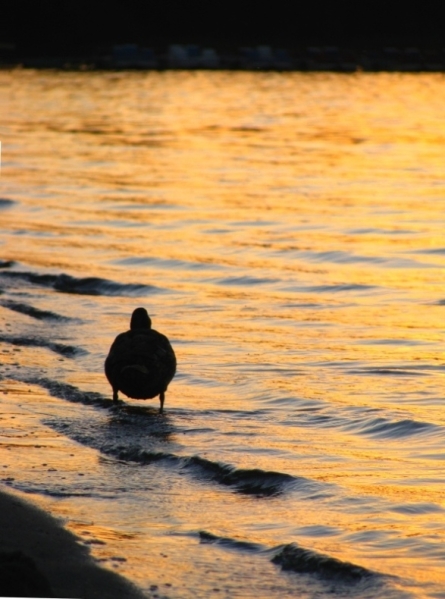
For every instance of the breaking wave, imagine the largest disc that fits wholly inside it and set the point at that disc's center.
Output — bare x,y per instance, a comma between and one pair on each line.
83,286
305,561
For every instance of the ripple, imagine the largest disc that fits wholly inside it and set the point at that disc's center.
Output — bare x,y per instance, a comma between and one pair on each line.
340,257
5,203
209,538
69,392
246,280
379,231
174,264
6,263
360,421
341,288
84,286
386,429
318,530
434,251
388,371
32,312
328,289
68,351
417,508
407,342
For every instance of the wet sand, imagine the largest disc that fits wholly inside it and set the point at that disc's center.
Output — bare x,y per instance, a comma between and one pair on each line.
59,562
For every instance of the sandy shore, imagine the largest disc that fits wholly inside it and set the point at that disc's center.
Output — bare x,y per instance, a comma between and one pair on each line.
60,564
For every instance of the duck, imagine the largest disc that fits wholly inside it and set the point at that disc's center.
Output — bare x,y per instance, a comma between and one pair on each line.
141,362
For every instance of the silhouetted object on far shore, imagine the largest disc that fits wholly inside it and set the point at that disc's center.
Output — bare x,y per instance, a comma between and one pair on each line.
141,362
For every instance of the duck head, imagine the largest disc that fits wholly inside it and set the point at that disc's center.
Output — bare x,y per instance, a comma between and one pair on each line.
140,319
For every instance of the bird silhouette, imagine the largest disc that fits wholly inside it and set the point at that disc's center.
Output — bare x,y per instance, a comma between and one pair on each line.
141,362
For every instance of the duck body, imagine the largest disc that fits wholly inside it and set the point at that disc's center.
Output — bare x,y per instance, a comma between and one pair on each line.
141,362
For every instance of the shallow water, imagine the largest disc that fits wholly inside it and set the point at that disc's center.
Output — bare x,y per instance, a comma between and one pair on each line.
286,232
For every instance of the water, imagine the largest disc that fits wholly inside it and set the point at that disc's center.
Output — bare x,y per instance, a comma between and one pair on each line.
285,231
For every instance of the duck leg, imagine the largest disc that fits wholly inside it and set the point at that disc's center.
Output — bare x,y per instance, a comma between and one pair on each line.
115,394
162,398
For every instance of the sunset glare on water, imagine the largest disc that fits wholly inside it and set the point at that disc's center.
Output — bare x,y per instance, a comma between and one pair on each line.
286,232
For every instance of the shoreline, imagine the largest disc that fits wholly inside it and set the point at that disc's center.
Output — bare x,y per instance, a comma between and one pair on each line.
68,567
349,58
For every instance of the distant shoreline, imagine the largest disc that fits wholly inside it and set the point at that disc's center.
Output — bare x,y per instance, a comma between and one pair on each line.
244,58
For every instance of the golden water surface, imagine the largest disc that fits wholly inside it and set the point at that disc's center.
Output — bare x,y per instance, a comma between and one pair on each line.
286,232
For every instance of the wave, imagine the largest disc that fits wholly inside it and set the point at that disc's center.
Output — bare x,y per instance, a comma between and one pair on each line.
246,280
5,203
360,421
137,434
383,428
395,341
260,483
343,257
433,251
168,263
419,508
68,351
31,311
56,491
339,288
83,286
379,231
247,481
340,257
116,442
305,561
209,538
293,558
56,488
6,263
69,392
388,371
